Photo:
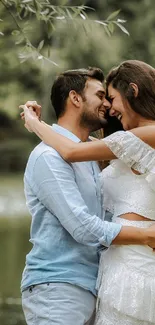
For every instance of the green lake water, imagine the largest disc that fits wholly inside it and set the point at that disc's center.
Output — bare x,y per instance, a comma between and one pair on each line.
14,236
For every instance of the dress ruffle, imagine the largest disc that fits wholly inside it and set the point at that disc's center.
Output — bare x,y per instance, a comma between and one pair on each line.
134,153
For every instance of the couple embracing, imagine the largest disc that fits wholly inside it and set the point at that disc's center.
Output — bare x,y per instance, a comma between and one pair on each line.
68,196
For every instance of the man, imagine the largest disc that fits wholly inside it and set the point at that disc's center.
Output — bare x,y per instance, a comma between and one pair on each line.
58,284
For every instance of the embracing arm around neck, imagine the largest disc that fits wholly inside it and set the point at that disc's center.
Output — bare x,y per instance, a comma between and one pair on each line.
68,149
86,151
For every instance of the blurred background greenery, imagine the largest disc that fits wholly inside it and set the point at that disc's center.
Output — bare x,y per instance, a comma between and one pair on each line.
71,45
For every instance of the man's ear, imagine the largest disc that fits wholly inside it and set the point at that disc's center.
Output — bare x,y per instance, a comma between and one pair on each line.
134,88
75,98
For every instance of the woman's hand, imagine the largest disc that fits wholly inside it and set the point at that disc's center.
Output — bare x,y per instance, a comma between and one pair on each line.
35,106
28,115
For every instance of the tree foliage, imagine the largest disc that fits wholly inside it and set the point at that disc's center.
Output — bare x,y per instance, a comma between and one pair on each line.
47,14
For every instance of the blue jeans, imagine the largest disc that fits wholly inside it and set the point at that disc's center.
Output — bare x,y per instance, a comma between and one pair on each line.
58,304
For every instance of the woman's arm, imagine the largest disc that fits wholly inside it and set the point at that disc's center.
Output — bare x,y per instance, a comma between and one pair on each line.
71,151
68,149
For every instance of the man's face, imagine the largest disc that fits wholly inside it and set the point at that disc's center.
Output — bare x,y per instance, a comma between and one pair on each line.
95,105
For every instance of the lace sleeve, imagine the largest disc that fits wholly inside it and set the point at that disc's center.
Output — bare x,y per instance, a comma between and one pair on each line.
134,153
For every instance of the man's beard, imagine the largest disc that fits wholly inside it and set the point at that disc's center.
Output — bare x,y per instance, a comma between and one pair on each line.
92,122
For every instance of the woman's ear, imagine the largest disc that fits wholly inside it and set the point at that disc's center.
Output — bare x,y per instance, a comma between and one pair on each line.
134,88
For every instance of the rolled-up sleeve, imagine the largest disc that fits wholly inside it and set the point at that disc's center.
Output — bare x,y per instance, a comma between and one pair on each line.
56,188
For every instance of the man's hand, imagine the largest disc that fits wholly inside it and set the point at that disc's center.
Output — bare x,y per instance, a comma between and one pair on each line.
33,105
136,236
150,236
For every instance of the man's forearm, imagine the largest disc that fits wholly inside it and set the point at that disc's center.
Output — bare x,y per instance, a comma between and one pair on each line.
133,235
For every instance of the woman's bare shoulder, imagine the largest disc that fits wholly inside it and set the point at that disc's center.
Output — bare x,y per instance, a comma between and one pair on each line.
146,133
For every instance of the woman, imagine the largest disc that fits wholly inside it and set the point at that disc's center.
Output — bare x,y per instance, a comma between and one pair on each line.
127,273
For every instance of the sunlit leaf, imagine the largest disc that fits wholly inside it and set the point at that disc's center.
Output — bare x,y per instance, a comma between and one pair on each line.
113,15
82,16
31,9
45,12
26,1
100,22
40,57
124,30
60,17
40,46
84,13
90,8
121,21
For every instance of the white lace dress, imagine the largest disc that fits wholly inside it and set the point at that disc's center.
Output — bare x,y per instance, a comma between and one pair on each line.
127,273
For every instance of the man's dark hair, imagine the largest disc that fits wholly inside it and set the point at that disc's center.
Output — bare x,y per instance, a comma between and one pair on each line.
71,80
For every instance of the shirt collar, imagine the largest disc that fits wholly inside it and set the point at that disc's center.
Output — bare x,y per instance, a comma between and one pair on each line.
59,129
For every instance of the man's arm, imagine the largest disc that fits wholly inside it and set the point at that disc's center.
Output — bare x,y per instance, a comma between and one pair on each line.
56,188
136,236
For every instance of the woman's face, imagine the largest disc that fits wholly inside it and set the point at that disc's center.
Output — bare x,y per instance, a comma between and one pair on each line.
122,110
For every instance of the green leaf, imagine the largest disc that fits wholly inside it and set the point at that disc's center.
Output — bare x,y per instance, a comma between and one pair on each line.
82,16
36,5
76,11
27,28
45,12
26,12
31,9
107,31
40,46
87,7
111,27
40,57
100,22
49,51
124,30
121,21
26,1
61,11
50,29
15,32
69,14
20,40
113,15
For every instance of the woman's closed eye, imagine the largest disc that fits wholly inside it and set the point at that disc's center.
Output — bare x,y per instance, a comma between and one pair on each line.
110,99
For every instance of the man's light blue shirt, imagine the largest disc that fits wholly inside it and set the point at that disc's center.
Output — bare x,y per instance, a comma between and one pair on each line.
64,200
